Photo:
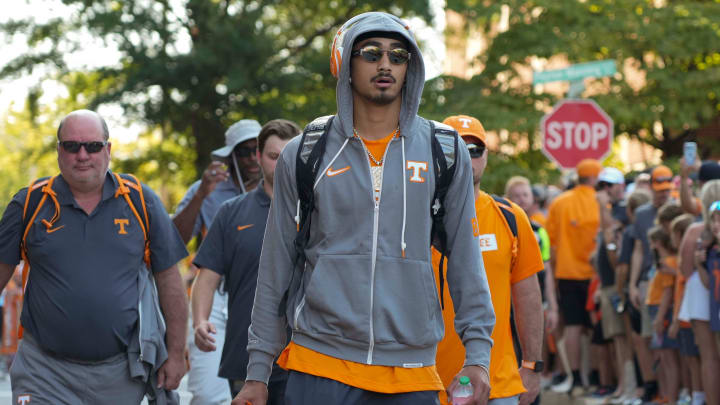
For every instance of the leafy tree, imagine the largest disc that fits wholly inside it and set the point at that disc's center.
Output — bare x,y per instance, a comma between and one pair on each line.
672,45
190,68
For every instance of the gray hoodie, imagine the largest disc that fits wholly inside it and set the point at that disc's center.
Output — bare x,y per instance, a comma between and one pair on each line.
368,292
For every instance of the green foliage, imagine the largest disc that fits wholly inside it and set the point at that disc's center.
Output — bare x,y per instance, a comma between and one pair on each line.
191,68
674,47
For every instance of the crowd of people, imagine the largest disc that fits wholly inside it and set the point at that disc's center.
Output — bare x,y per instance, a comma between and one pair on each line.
360,261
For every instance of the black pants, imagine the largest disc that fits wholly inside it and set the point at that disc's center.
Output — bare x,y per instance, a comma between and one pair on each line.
306,389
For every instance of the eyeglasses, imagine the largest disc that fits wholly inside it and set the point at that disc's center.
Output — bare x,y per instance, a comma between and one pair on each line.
244,151
714,207
662,179
90,147
476,150
371,53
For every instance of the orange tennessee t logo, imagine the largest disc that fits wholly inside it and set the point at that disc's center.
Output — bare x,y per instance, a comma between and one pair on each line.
122,222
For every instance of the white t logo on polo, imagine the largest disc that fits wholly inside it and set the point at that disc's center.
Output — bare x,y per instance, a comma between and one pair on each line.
23,399
488,242
465,122
416,167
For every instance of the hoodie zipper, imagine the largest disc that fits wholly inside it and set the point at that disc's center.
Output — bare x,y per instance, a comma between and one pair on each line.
376,225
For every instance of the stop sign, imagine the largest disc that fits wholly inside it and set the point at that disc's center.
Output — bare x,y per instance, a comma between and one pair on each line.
576,130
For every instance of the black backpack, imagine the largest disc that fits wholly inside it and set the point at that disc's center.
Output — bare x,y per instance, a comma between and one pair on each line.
307,166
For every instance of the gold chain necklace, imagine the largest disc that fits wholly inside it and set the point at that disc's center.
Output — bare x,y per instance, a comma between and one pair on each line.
376,161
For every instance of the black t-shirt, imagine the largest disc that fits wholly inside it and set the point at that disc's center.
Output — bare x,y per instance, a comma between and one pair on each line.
232,248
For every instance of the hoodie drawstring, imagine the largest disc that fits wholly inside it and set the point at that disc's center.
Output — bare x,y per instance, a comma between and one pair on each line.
404,164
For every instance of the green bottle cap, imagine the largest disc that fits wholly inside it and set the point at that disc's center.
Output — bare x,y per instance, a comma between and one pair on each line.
464,380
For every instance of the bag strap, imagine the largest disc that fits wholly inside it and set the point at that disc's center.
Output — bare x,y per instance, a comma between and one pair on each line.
33,203
307,165
510,222
444,147
127,183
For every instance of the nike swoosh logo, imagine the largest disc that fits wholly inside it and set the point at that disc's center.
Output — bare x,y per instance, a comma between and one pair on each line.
331,172
55,229
241,227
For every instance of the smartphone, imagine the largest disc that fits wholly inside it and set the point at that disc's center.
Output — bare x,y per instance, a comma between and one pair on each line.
689,153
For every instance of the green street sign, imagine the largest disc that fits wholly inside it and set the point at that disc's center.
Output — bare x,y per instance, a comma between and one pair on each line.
576,72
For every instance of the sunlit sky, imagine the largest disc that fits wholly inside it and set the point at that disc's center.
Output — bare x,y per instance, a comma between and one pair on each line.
13,92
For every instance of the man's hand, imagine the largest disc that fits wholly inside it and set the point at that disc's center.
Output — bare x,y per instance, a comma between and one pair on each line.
531,382
203,336
480,381
171,372
253,393
635,298
658,325
214,174
551,319
674,329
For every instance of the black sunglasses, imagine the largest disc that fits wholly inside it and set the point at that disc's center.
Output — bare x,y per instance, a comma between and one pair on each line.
371,53
476,150
244,151
90,147
662,179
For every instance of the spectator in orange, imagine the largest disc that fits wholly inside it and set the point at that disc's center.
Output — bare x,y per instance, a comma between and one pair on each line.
511,264
573,221
659,302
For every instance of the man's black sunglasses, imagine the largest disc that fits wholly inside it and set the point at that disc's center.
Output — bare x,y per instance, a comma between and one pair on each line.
371,53
243,151
476,150
662,179
90,147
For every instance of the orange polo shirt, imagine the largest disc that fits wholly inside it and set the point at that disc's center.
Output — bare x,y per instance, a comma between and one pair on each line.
384,379
661,281
496,246
572,224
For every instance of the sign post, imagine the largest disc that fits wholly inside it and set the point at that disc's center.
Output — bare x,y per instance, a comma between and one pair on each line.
575,130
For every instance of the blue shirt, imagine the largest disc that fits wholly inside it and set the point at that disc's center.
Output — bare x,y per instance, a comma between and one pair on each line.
82,292
223,191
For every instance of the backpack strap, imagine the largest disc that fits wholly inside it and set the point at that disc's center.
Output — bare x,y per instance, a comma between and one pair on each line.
34,200
444,146
510,221
307,165
130,188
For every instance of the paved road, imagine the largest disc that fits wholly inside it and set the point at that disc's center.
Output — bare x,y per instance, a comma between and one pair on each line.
548,398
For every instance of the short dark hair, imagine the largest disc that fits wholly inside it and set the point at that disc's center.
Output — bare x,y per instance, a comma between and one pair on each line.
281,128
668,212
106,131
658,234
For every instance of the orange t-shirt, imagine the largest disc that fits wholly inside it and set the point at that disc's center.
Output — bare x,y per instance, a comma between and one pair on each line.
572,224
384,379
496,246
661,281
539,218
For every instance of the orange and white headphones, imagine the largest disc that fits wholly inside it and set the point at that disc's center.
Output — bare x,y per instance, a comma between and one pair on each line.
337,45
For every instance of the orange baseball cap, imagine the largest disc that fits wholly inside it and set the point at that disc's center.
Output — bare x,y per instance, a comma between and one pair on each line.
467,126
661,178
588,168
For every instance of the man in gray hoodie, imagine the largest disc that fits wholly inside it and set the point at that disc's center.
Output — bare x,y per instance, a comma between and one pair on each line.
366,317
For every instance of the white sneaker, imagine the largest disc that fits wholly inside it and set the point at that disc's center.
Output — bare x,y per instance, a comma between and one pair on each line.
564,386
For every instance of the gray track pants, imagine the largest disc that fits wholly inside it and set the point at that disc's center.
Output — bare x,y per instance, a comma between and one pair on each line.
38,378
306,389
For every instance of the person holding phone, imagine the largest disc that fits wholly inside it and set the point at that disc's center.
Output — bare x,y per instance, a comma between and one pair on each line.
233,171
691,169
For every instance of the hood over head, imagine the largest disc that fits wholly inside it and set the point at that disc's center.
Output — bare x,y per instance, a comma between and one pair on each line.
341,54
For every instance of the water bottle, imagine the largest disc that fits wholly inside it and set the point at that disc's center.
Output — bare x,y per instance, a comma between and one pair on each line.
462,394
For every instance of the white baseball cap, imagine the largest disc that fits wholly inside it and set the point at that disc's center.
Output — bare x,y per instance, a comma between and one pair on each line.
611,175
238,132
